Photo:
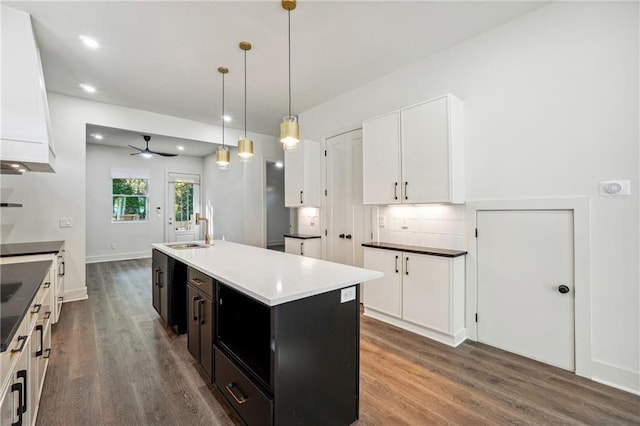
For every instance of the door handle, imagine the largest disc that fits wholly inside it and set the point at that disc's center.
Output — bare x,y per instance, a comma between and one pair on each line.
396,264
301,197
563,289
41,330
406,265
348,236
193,307
341,235
406,197
395,190
17,387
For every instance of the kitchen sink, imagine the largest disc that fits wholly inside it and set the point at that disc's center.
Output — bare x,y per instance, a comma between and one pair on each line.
183,246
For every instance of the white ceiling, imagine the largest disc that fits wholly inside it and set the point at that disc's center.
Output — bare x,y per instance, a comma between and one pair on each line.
158,143
163,56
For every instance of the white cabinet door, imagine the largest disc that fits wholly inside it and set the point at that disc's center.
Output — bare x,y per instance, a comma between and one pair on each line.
311,247
292,245
381,160
302,175
425,152
384,294
426,296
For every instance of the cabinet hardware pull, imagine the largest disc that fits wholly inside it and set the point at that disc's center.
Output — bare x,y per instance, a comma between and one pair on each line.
47,353
157,283
406,265
47,315
341,235
36,308
301,198
348,236
302,248
193,307
60,298
46,285
64,269
396,264
23,341
406,197
17,387
197,281
23,375
563,289
395,190
41,330
240,400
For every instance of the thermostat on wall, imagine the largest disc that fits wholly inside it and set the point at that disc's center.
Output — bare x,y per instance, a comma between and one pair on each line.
615,187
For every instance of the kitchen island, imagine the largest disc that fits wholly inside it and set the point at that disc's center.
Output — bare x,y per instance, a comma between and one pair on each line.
284,342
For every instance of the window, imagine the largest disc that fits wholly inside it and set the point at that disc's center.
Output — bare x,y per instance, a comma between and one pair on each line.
130,202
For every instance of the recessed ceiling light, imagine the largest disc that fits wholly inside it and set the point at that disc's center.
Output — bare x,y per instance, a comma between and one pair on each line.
226,117
96,136
87,88
91,43
15,166
180,147
279,164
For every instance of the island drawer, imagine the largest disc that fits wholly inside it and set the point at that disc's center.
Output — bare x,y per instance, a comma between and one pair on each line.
251,403
201,281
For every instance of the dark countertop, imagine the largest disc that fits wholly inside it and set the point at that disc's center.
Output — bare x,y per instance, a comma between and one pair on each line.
19,283
417,249
301,236
26,249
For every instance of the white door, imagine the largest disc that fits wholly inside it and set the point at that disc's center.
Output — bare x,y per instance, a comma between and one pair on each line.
525,283
183,201
344,229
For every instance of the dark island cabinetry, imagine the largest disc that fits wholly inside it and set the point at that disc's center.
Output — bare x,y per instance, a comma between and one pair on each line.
169,280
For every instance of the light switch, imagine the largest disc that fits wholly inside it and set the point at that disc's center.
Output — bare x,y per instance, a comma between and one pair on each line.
66,222
347,294
382,222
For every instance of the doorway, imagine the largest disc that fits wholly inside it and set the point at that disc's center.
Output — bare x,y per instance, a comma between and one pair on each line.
183,202
277,219
525,278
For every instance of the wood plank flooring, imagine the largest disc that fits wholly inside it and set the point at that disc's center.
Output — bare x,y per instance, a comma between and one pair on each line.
113,363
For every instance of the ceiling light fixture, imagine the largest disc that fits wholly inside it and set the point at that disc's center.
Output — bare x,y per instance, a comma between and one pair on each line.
245,145
15,166
279,164
180,147
87,88
97,136
289,129
226,118
222,154
91,43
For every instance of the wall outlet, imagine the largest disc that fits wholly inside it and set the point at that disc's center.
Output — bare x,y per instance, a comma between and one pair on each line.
382,222
66,222
405,224
347,294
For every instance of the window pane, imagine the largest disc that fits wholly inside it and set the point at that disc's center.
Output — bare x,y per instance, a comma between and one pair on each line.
183,208
129,187
129,208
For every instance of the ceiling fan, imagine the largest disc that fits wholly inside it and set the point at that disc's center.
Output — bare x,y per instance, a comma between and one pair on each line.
147,152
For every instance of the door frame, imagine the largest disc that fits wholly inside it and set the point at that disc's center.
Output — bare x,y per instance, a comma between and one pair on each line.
582,268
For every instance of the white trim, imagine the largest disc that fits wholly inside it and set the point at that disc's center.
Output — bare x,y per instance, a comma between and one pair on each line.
582,267
75,295
118,256
617,377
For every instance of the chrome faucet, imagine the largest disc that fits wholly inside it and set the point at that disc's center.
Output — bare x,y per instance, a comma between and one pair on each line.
207,237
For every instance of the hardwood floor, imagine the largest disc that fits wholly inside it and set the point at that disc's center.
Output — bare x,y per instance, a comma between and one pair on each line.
113,363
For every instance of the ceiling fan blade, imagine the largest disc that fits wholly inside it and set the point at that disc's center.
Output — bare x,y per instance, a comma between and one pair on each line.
164,154
136,153
135,147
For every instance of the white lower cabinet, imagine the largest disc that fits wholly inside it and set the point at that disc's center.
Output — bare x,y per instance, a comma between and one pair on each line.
420,293
309,247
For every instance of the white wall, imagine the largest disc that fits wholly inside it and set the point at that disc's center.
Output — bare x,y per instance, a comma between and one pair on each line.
551,109
47,197
277,213
132,239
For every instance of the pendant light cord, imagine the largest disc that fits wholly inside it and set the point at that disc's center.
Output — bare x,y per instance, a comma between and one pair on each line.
223,109
245,94
289,19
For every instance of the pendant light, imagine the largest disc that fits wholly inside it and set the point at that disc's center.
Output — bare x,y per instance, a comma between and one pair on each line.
222,154
245,145
289,129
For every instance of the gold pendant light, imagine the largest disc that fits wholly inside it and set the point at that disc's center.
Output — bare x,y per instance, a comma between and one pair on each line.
289,129
222,154
245,145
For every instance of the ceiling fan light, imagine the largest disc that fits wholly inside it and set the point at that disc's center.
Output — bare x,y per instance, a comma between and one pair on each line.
146,154
245,149
289,133
223,158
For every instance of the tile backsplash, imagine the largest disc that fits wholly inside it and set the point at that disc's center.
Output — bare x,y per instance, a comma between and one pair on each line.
309,221
437,226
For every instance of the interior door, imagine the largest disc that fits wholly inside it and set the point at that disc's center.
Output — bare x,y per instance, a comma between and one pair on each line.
183,201
344,200
525,283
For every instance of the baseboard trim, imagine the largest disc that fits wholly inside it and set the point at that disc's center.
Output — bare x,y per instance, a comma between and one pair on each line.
448,340
118,256
275,243
616,377
75,295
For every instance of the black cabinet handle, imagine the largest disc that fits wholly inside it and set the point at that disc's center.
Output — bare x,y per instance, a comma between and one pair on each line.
22,340
241,399
202,319
17,387
563,289
157,283
22,374
341,235
301,198
395,190
160,278
41,330
47,315
396,264
193,307
302,248
46,285
406,197
47,353
406,265
197,281
60,298
64,269
36,308
348,236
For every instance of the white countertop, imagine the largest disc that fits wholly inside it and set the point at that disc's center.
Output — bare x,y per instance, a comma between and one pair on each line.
269,276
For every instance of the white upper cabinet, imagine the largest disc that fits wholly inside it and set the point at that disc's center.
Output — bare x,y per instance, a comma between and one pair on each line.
415,155
302,175
25,132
